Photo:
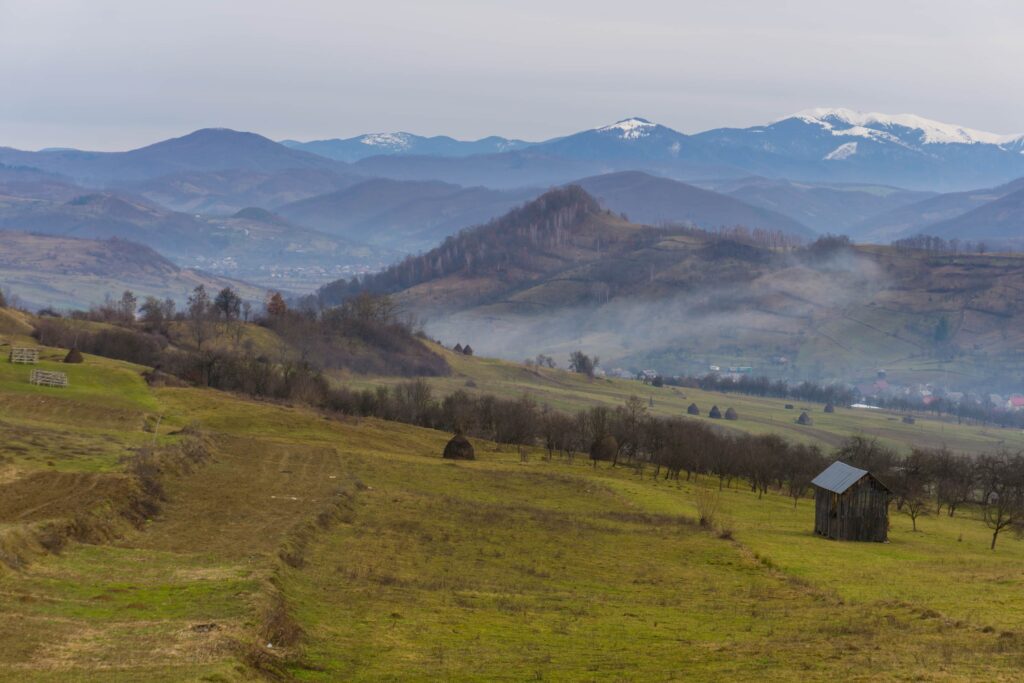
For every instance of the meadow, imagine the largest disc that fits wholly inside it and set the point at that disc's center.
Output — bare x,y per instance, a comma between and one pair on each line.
569,392
313,547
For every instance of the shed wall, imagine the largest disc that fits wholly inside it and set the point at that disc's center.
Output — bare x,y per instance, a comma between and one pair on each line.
861,513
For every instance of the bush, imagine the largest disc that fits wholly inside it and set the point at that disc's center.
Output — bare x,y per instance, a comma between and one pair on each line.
708,502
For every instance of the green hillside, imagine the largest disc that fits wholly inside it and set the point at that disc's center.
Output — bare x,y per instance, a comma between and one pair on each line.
172,533
566,391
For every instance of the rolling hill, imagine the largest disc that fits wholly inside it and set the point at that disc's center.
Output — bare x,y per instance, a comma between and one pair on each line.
826,208
225,192
1000,221
561,274
415,215
402,215
178,533
209,149
273,252
66,272
659,201
919,217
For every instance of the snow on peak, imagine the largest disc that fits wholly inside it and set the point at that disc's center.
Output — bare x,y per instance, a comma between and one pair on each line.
629,129
850,122
394,141
843,151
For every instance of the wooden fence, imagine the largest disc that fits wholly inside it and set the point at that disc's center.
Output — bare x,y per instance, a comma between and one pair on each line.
48,378
24,355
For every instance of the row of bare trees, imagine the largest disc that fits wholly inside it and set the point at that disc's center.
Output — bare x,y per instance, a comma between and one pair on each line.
925,482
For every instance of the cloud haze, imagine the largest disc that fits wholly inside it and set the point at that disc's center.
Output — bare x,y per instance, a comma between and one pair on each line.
113,75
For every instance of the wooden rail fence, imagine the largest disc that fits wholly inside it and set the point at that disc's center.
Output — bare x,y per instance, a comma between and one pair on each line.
24,355
48,378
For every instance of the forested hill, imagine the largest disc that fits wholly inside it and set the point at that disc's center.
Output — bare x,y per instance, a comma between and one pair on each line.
561,227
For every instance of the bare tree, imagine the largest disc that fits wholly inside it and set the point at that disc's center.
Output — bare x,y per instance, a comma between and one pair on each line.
228,304
1002,478
199,316
127,306
583,364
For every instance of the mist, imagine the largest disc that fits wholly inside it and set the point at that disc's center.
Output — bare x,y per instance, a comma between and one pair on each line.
782,313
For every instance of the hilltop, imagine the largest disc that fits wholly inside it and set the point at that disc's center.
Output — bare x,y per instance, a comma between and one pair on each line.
243,246
560,273
67,272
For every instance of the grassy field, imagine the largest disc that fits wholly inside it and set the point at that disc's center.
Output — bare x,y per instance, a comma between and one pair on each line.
342,549
569,392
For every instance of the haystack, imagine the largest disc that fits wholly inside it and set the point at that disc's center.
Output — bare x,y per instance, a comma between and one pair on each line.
459,448
908,419
693,409
74,356
467,350
804,419
731,414
829,408
457,348
715,413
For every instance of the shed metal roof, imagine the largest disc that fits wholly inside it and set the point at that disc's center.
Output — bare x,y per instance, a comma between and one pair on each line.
838,477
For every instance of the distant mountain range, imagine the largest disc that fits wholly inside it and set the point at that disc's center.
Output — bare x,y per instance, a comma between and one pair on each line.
209,149
833,145
374,144
382,195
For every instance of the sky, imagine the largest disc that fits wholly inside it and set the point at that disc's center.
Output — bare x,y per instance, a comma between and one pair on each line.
95,74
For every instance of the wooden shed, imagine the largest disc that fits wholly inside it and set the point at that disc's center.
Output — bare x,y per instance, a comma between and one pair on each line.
850,504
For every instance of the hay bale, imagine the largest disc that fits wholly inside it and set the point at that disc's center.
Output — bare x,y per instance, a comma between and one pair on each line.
74,356
908,419
459,448
804,419
731,414
693,409
789,406
829,408
715,413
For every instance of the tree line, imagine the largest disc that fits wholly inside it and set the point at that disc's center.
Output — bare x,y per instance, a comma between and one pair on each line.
927,481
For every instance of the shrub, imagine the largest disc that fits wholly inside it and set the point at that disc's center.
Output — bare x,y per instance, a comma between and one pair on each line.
708,502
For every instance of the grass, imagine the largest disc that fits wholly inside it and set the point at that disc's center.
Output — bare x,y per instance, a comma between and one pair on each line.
496,570
394,564
569,392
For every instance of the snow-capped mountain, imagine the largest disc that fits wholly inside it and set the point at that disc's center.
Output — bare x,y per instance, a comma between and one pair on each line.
825,144
846,145
903,128
400,143
629,129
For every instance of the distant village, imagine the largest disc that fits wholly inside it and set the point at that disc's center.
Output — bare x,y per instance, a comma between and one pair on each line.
881,390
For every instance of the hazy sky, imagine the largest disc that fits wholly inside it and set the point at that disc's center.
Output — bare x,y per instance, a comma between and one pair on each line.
114,75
